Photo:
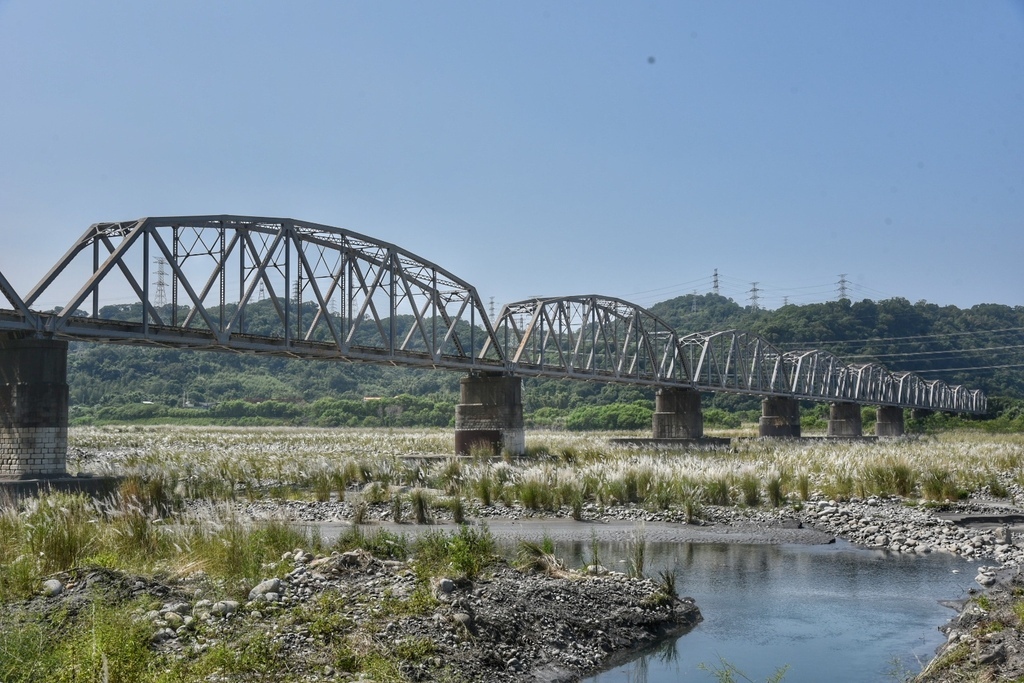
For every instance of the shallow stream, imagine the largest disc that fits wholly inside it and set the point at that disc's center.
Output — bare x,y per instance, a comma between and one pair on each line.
830,612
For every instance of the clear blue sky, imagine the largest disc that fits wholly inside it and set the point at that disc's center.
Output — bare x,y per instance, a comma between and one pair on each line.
625,148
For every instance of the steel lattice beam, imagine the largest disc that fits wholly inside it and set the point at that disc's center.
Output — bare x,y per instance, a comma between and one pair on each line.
221,266
314,291
591,337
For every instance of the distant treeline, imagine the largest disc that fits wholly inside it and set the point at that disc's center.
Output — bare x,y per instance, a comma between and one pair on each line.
125,383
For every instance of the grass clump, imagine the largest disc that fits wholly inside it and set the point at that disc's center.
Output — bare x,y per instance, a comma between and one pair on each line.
776,489
638,553
891,476
718,491
99,642
667,593
727,672
62,531
382,544
692,500
421,506
464,553
939,484
803,485
750,488
538,557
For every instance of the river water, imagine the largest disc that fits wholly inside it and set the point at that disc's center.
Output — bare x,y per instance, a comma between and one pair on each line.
830,612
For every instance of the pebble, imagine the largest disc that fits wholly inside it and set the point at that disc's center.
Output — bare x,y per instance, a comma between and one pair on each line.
52,588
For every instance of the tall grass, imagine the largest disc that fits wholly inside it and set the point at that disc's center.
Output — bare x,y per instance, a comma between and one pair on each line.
165,466
59,532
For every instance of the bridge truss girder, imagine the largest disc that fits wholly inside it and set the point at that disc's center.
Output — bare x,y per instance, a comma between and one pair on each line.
736,361
591,337
328,292
331,293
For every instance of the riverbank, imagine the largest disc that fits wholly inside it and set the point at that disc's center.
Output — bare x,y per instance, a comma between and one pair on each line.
190,498
977,529
351,616
984,640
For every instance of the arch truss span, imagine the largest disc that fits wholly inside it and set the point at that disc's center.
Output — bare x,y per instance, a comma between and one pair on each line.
591,337
736,361
820,375
266,285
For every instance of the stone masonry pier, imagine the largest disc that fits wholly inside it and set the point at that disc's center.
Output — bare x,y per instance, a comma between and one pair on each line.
33,408
490,414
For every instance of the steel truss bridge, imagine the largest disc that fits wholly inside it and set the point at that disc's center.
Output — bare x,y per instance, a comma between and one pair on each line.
278,286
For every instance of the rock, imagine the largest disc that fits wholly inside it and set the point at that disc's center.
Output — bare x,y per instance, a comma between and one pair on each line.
181,608
996,656
264,587
224,608
1003,535
163,635
985,580
52,588
446,586
173,619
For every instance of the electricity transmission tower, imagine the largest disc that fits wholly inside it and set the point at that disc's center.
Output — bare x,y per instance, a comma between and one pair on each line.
160,296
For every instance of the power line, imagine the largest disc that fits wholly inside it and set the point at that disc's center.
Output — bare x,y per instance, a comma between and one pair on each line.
973,367
936,353
670,287
891,339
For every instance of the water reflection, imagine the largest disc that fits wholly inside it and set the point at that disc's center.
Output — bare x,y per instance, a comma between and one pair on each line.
832,613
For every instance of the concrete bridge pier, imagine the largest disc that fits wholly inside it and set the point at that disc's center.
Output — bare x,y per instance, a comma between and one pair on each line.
889,421
780,417
677,414
490,414
33,408
844,420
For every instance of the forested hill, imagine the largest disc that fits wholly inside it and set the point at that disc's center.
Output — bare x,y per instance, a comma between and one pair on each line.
980,347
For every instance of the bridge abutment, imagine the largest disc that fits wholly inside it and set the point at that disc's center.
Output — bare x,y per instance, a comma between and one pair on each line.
490,414
889,421
780,417
33,408
677,414
844,420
